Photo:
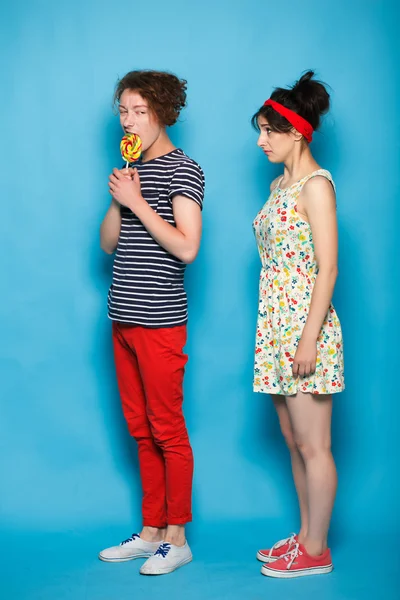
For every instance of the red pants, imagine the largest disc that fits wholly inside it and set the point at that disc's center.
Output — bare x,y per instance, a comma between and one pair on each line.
150,365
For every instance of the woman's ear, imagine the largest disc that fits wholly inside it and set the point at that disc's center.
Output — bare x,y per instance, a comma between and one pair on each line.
297,135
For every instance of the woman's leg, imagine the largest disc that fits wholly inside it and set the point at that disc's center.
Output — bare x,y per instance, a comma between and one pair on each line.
298,466
310,417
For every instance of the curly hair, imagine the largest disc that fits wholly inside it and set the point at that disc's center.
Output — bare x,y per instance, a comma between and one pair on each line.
165,93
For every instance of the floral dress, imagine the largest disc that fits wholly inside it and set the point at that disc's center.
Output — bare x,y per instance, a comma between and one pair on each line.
288,274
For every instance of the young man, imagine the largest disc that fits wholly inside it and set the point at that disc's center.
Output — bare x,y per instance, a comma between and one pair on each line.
154,224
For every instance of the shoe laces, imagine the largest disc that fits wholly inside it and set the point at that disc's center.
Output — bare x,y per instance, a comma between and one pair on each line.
290,540
291,556
163,550
131,539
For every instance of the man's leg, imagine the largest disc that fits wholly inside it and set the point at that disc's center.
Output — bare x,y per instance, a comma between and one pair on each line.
151,460
162,364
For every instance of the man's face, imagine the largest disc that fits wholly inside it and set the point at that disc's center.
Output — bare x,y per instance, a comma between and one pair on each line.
136,117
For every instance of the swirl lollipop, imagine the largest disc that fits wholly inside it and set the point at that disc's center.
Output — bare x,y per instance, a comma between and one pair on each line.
131,148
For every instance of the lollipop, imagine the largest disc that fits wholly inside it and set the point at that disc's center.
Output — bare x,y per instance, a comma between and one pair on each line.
131,148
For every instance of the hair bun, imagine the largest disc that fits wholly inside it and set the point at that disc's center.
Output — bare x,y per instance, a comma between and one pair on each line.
304,79
311,95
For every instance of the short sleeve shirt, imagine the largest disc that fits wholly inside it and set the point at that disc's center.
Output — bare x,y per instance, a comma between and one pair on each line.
148,282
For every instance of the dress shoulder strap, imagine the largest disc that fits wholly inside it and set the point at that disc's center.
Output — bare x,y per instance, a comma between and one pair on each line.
276,183
319,173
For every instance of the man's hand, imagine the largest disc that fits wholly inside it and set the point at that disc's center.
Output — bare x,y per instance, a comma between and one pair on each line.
124,186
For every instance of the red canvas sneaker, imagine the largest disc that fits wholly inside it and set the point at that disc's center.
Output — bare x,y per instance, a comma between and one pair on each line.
279,549
298,563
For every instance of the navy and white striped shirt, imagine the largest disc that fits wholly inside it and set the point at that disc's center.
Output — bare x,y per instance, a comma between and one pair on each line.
147,287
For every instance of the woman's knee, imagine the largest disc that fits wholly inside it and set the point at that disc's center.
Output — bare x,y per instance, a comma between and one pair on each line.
310,449
288,436
284,422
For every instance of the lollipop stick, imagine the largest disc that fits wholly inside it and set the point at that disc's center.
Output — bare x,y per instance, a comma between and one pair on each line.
127,164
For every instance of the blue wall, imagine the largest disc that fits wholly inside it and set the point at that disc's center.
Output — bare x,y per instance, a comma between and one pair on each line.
66,459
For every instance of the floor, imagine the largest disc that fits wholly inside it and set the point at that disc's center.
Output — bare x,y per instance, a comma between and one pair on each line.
61,566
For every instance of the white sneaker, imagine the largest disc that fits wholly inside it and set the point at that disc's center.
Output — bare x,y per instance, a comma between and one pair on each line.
133,547
168,558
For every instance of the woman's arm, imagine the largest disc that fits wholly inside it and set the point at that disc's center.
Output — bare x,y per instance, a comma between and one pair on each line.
318,203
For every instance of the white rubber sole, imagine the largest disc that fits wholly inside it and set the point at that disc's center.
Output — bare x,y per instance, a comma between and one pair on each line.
167,569
288,574
125,558
266,559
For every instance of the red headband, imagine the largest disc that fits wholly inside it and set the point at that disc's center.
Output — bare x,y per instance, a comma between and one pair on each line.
302,126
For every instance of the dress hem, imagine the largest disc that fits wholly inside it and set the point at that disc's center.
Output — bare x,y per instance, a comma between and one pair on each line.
260,390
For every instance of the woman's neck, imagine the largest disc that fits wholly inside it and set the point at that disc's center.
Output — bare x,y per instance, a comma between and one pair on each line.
298,166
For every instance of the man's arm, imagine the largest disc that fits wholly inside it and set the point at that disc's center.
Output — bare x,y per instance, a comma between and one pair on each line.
110,228
182,241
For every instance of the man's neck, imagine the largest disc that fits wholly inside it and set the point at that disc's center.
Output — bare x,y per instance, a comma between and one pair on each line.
160,147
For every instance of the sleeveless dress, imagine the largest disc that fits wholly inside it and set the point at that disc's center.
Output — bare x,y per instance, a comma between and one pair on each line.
287,279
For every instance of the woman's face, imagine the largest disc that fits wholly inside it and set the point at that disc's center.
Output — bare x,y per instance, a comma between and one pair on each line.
136,116
277,146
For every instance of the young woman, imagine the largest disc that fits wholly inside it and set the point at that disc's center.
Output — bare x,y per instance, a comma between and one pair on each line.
154,224
299,348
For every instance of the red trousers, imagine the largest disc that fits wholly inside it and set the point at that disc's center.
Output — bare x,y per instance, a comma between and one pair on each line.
150,366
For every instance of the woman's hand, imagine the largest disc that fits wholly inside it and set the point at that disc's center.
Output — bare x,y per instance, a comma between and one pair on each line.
305,359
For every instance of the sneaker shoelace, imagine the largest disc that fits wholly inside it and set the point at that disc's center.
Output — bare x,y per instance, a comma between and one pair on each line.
131,539
291,556
163,550
290,540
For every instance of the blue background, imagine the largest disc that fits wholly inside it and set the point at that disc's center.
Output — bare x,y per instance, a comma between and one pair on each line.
68,467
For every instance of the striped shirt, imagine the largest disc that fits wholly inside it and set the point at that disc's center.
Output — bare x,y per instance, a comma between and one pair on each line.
147,287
